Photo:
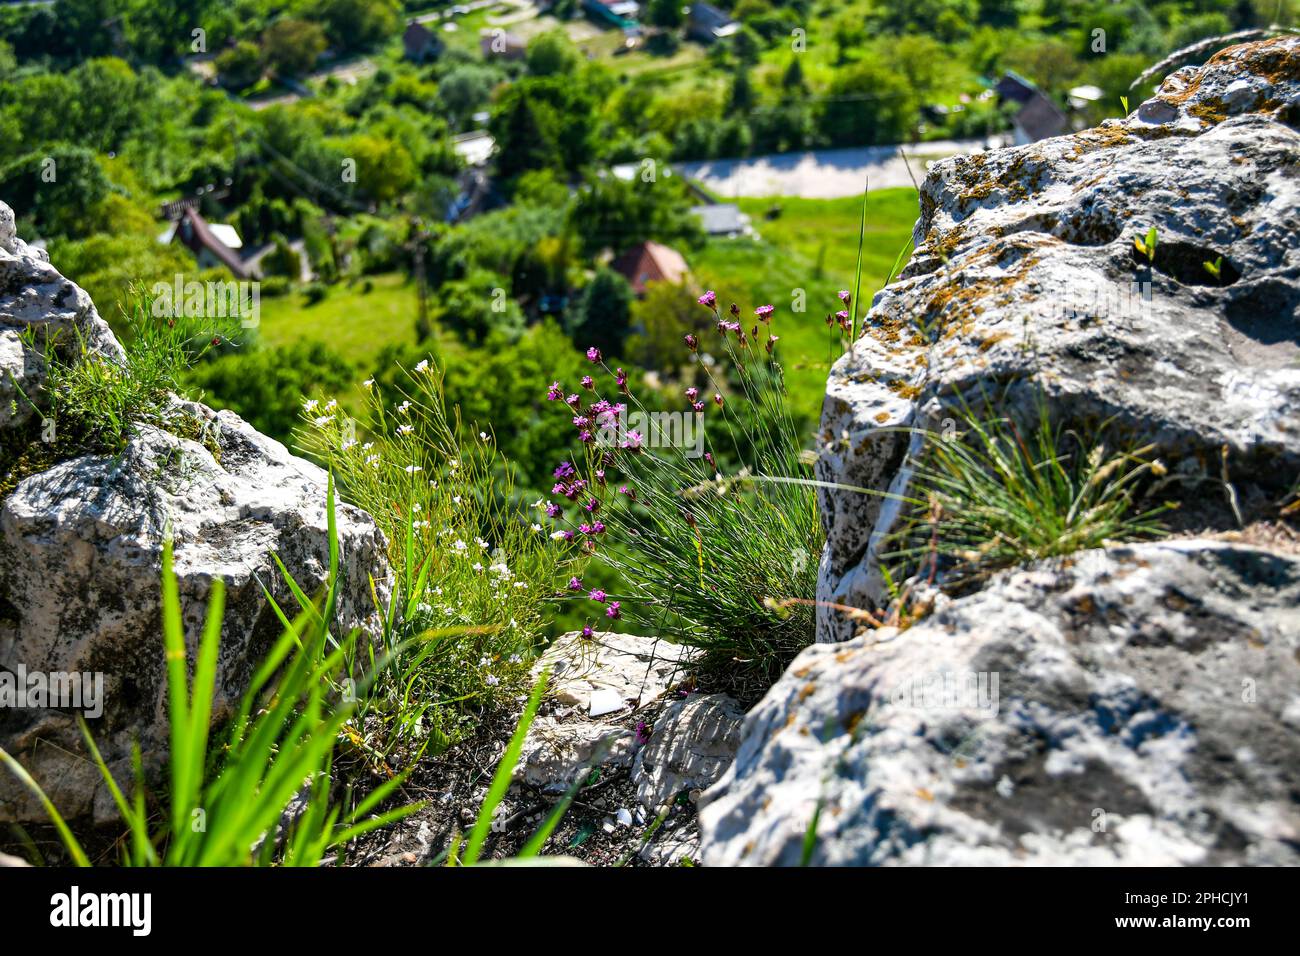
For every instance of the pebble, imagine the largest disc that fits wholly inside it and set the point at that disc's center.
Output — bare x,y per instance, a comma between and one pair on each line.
624,816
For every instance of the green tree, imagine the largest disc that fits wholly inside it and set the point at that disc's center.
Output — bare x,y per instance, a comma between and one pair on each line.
609,213
358,24
266,386
292,46
479,306
665,14
603,313
869,103
385,169
741,99
552,53
524,135
240,66
660,319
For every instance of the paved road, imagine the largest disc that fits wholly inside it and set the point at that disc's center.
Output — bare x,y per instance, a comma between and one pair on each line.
824,174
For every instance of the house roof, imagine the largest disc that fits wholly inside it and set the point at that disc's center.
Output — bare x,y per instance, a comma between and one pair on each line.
1039,118
650,262
707,15
195,232
721,218
1014,87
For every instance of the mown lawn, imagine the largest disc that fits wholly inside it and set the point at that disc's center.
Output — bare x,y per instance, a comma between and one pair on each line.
355,323
811,245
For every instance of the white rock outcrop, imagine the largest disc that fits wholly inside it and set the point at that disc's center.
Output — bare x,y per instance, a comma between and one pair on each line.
1025,282
81,547
1131,705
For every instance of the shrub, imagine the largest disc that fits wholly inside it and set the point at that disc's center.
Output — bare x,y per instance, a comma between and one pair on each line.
473,576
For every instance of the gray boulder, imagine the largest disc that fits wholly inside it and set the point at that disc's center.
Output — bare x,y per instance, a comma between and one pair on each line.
1138,706
1025,282
692,744
81,549
36,300
1132,705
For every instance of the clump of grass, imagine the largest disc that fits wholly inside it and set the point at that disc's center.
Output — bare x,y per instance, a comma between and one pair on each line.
472,577
97,398
991,495
231,807
714,543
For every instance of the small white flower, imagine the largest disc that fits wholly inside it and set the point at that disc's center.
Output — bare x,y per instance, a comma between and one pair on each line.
348,444
372,461
405,429
367,446
516,659
403,408
420,524
455,499
453,464
537,529
483,545
483,436
557,535
459,545
423,366
368,383
522,585
415,506
310,405
412,469
320,421
331,405
478,566
492,680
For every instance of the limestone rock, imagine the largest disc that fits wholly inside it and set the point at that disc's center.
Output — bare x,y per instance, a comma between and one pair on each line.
1135,706
1025,281
557,752
693,742
35,299
80,558
636,669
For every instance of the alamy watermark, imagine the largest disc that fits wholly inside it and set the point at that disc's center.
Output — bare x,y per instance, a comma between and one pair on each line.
235,299
54,690
636,430
950,690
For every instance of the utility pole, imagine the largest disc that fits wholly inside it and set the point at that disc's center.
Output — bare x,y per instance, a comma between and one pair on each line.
418,237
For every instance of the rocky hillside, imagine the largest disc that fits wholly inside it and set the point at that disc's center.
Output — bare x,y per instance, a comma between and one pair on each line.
1132,704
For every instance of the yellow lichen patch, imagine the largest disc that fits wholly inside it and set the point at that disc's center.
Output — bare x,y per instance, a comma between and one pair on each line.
1276,60
993,340
881,418
903,389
